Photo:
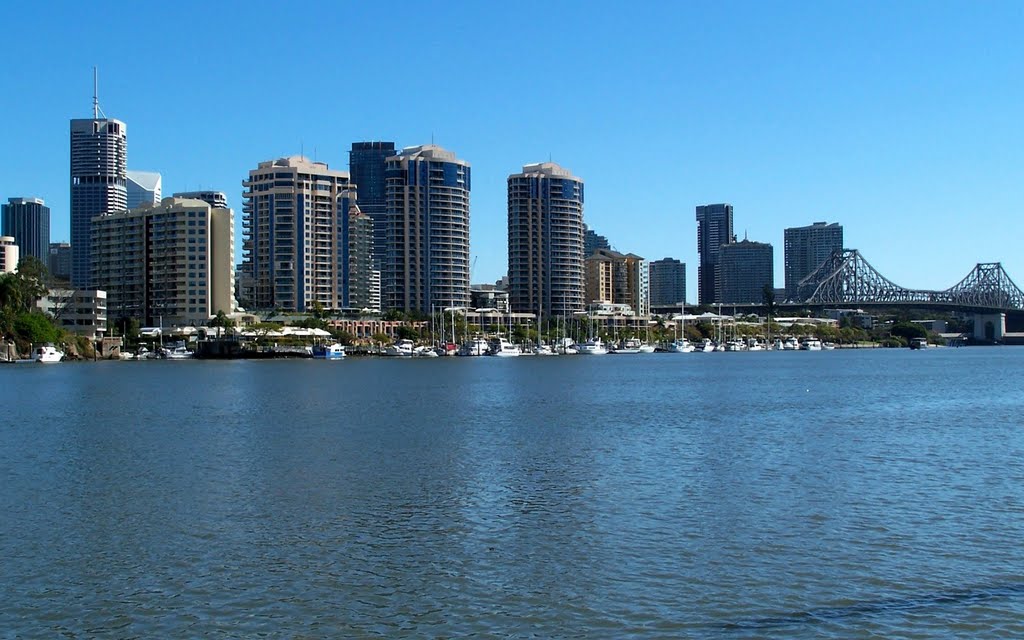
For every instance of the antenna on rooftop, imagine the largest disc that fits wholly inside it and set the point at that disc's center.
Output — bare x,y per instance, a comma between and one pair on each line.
96,95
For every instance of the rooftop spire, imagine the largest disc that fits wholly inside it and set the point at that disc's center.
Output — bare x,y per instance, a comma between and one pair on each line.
96,111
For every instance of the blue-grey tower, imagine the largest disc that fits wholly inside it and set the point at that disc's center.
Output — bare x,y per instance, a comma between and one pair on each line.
367,162
27,220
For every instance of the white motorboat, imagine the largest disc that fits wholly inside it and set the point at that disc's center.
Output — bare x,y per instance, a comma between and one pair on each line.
629,346
646,348
735,345
681,345
502,348
544,350
566,347
402,348
176,352
424,352
47,353
827,346
475,347
790,344
333,351
593,347
811,344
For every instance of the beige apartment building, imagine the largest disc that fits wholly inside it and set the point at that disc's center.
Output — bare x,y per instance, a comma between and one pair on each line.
170,264
618,278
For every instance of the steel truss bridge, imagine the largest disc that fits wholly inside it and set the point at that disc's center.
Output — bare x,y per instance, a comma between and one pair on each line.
846,278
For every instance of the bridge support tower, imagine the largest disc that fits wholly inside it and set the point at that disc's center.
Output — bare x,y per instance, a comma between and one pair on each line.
989,327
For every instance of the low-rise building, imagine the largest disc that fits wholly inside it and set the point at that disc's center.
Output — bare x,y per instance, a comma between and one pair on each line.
82,312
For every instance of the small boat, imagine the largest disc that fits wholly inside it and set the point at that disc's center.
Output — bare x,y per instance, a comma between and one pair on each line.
424,352
566,347
593,347
333,351
502,348
647,348
402,348
828,346
475,347
918,343
47,353
790,344
544,350
735,345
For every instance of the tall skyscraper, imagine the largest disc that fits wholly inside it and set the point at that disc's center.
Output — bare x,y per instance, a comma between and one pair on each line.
427,263
99,183
668,282
27,220
545,240
618,278
745,267
592,242
367,163
714,228
144,187
172,263
806,248
296,235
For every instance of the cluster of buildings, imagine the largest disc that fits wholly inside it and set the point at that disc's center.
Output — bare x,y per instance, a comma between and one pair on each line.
391,233
737,272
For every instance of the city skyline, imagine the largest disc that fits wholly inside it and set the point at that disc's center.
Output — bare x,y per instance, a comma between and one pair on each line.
897,122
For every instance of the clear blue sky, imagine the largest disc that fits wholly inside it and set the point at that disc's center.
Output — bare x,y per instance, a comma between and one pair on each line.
902,121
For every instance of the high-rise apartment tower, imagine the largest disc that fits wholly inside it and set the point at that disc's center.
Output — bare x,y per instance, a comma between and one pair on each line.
545,240
427,264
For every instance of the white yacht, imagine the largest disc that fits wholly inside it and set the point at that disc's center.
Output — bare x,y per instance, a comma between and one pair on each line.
629,346
790,344
544,350
502,348
646,348
47,353
567,347
706,346
593,347
402,348
475,347
333,351
811,344
424,352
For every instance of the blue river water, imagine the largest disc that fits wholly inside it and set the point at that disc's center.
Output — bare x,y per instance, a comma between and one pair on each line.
853,493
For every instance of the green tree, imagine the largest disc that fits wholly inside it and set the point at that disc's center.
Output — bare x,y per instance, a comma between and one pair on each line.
908,330
35,327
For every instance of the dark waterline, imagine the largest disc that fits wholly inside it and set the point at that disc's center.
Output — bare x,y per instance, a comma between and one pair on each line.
835,494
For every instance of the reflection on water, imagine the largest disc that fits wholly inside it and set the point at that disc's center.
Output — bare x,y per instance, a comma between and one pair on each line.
790,494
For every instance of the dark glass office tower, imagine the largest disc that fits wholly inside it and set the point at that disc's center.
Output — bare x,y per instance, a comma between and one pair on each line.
28,221
714,228
366,164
